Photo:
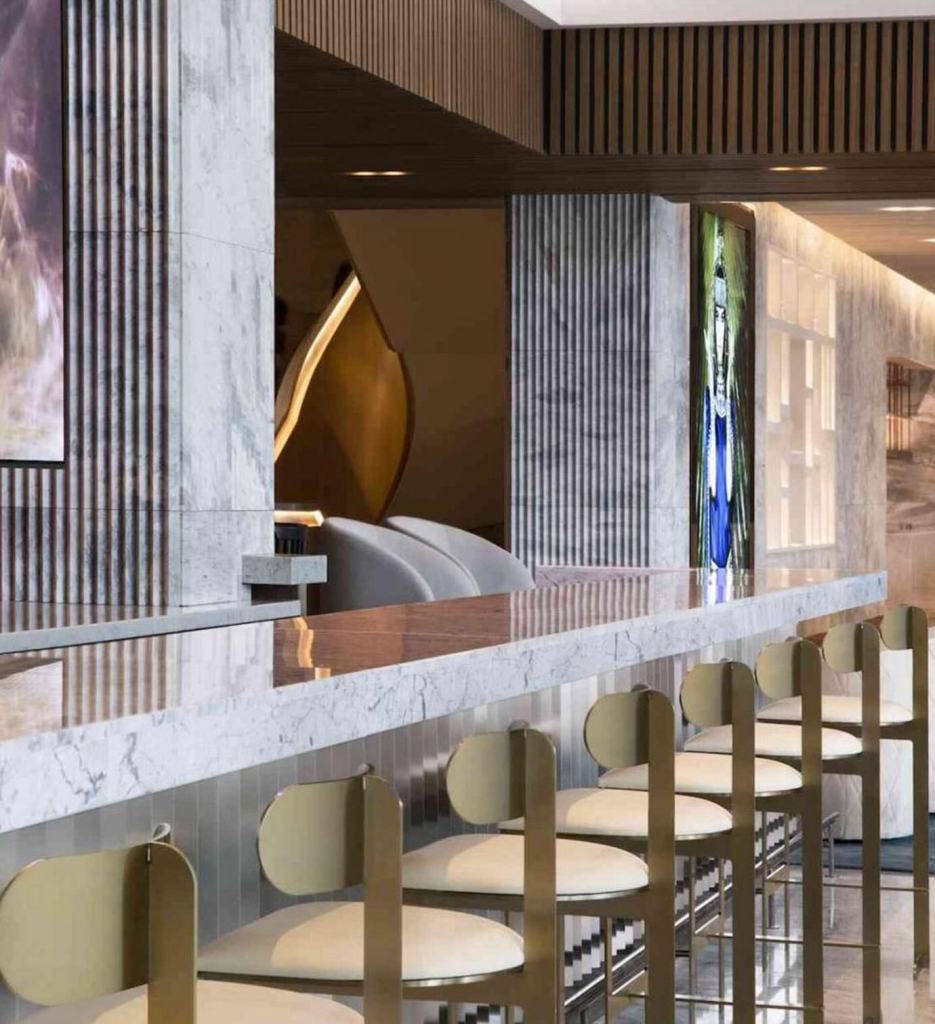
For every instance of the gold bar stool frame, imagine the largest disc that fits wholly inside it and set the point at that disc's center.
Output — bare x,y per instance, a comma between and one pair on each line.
93,928
855,647
903,628
322,837
907,628
791,672
636,728
486,871
722,696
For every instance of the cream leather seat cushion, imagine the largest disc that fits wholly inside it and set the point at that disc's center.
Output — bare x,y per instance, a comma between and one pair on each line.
836,709
494,864
625,813
775,741
219,1002
708,775
325,941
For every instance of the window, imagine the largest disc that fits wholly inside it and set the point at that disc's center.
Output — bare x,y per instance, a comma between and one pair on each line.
800,404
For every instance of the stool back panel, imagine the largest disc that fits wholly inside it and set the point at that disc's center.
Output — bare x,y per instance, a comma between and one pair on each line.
776,672
707,693
897,628
311,838
75,928
842,647
486,777
617,731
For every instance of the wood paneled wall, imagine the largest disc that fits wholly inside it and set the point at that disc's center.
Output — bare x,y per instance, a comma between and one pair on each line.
96,531
476,58
797,89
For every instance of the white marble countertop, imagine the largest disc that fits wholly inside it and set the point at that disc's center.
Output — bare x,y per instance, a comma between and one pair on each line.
89,726
27,626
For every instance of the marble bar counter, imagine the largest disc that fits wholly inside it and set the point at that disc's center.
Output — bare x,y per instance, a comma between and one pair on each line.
26,626
89,726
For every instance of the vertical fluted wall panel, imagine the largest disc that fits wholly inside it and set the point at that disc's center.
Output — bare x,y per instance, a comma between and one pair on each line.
96,530
582,412
770,89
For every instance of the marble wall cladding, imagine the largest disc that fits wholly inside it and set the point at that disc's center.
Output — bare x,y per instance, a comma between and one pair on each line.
170,325
215,821
599,294
99,528
880,316
226,221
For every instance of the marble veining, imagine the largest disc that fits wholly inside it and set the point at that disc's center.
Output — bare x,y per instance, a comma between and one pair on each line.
419,662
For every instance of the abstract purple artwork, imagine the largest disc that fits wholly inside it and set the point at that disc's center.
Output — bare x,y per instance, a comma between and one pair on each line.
32,244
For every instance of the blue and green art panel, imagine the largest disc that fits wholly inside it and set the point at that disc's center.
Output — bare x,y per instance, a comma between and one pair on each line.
722,362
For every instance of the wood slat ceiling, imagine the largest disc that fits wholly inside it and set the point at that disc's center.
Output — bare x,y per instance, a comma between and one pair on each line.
332,118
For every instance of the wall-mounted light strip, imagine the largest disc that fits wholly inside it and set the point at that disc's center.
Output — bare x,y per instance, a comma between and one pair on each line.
798,169
378,174
324,332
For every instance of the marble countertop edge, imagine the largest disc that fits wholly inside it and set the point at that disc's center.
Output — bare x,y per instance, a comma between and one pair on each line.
56,774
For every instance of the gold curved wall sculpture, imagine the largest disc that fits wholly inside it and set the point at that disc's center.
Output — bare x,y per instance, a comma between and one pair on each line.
342,413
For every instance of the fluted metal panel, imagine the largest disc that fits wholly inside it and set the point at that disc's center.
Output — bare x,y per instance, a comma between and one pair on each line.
96,530
582,410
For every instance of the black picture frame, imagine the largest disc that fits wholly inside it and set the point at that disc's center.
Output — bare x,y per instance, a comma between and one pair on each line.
745,219
58,464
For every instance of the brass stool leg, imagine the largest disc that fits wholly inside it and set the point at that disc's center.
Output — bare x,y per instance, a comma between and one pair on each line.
870,861
920,844
607,933
722,928
870,822
692,925
812,904
560,968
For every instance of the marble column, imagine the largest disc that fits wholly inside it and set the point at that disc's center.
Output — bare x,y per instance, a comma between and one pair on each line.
167,480
226,225
600,316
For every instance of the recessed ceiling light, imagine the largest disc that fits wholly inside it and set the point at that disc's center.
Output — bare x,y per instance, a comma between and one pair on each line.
377,174
907,209
930,240
792,168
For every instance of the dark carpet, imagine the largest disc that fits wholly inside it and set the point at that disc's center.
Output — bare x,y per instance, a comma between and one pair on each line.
896,854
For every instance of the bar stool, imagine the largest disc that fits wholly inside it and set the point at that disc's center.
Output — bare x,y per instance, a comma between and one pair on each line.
91,929
786,671
638,728
486,871
321,837
903,628
709,699
714,695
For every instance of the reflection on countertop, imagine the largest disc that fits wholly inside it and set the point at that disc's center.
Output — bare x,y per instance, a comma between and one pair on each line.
49,690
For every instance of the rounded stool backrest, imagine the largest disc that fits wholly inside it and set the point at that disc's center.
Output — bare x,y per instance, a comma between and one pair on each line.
81,927
313,836
904,628
843,646
619,727
707,694
784,669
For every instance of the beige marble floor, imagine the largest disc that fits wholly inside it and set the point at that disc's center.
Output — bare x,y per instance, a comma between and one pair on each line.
905,999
